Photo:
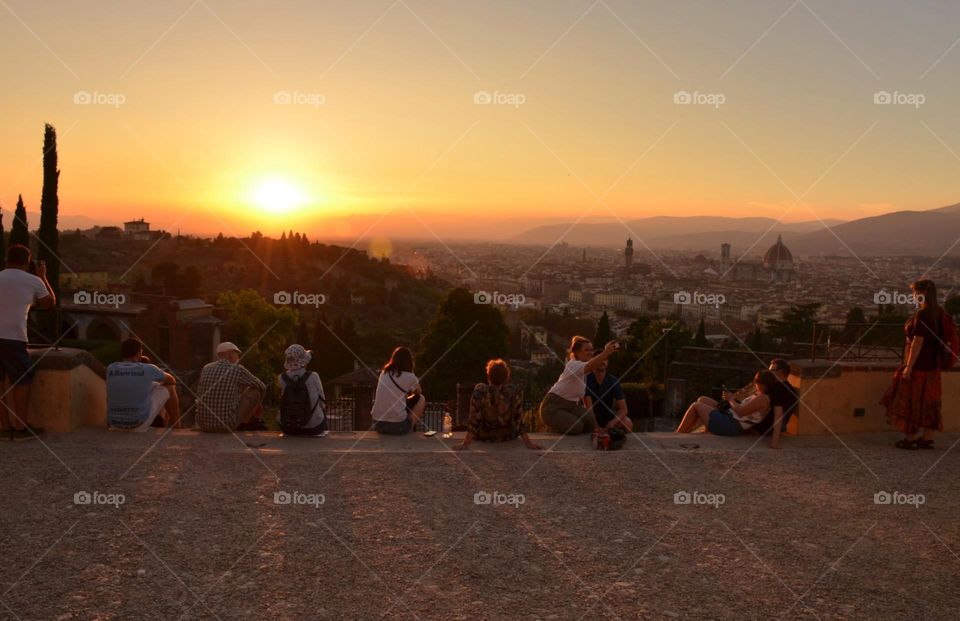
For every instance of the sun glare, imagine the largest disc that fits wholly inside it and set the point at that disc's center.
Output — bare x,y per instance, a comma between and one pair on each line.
276,195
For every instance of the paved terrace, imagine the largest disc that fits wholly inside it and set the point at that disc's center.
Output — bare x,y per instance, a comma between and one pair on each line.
399,535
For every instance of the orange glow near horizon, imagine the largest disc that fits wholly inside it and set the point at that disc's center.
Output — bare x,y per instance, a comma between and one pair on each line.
267,126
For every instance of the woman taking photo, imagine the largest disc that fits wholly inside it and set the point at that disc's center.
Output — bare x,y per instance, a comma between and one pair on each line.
561,410
913,399
399,402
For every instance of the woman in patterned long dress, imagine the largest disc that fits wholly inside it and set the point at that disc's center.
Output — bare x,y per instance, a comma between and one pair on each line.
913,400
496,409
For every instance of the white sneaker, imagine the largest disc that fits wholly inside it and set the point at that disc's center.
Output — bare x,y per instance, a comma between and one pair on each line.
322,434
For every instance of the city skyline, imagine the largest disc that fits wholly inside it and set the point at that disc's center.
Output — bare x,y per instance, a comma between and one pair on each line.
407,120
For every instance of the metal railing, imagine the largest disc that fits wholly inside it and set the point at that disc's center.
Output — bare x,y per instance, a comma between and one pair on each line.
859,341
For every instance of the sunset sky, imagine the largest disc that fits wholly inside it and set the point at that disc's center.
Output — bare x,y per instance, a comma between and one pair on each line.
190,127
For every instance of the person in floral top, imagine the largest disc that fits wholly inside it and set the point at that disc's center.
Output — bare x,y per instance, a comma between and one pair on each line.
495,409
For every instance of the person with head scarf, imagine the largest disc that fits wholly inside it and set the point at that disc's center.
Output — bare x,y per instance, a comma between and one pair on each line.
301,396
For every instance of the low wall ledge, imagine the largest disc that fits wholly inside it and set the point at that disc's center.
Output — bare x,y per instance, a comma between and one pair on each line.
64,359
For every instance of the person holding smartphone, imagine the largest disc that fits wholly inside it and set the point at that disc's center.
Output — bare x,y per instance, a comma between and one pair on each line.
562,410
20,289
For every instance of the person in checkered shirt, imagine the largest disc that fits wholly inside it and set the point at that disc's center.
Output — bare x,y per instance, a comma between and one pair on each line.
229,397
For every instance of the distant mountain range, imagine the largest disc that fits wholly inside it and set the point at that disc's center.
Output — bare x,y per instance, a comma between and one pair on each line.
918,233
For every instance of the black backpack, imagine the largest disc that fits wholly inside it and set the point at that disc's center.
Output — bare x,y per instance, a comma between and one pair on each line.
295,406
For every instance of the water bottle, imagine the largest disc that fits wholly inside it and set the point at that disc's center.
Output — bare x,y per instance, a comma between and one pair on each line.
447,426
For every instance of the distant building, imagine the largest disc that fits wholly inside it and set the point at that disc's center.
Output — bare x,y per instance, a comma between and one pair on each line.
109,232
136,226
543,356
628,254
777,265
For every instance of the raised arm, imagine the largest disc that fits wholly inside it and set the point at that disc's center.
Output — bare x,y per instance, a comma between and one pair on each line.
50,299
608,350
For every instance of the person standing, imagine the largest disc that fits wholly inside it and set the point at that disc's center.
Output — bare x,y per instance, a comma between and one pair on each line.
913,400
23,284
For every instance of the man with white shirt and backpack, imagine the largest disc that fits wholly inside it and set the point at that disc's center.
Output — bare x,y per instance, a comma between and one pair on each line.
22,284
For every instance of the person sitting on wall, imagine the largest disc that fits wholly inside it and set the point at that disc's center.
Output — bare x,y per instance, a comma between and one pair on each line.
604,397
301,396
561,409
399,403
496,410
229,396
732,418
140,393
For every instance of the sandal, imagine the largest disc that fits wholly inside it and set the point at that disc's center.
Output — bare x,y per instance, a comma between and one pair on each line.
924,444
910,445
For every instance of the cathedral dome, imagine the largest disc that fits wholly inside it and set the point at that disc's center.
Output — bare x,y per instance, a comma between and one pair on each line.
778,256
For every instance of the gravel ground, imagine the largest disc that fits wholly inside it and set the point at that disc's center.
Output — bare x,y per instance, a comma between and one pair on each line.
399,535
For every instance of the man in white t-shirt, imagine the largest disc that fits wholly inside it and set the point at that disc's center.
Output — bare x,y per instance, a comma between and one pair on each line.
22,284
562,410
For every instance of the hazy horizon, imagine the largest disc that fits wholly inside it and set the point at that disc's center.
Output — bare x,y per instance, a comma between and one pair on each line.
420,120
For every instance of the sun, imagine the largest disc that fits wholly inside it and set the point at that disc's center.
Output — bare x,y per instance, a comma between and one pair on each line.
276,195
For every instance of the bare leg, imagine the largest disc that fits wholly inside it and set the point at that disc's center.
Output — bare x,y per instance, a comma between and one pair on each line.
172,408
690,420
703,412
696,415
711,402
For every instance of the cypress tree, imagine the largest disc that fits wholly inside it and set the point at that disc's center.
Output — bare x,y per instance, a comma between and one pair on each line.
3,242
49,208
604,334
700,340
19,234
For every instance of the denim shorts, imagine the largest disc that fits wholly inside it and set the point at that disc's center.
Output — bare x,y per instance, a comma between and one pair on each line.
394,428
15,362
721,424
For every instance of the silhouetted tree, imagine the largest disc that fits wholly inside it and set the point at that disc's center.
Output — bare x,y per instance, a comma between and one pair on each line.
603,334
700,340
19,231
49,208
855,325
458,342
795,324
303,335
755,340
3,242
261,329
